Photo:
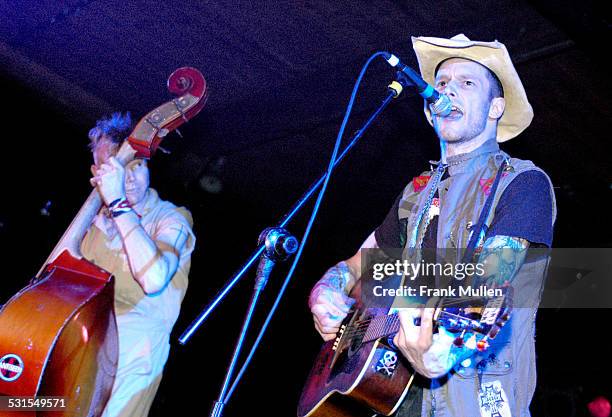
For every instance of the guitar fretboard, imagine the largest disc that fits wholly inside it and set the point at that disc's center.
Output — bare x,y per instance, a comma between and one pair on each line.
382,326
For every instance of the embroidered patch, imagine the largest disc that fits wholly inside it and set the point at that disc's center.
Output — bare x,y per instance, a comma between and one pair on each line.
387,363
488,182
493,400
420,182
434,208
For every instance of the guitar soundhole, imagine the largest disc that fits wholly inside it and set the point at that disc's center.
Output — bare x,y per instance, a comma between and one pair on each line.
348,358
355,344
345,364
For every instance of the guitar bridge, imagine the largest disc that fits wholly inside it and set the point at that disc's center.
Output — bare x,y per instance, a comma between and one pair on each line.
338,337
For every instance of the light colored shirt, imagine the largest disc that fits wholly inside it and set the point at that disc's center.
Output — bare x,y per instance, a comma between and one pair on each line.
144,322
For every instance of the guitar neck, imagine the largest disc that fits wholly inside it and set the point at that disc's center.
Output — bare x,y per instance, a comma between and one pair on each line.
388,325
189,85
382,326
72,237
494,313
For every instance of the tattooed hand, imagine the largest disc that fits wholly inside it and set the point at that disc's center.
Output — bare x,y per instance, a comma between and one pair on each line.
329,302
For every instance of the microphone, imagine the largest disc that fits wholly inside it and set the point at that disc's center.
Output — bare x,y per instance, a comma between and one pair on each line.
440,104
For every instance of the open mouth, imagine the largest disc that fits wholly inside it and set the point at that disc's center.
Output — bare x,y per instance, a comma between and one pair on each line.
455,113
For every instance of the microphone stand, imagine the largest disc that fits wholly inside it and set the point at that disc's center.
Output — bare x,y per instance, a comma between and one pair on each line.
278,245
394,90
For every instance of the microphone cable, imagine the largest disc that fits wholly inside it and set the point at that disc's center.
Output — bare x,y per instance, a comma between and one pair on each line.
311,221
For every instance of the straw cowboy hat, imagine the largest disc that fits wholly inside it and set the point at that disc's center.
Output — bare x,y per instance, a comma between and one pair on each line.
431,52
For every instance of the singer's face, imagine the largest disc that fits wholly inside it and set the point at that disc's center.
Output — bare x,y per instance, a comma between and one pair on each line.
466,83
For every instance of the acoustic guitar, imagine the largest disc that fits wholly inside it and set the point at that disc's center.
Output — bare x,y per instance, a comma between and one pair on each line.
360,374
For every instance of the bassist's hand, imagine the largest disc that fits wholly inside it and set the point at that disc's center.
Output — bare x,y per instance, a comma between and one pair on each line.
110,180
329,307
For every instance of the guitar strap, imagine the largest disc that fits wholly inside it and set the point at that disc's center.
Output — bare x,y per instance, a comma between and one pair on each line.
484,215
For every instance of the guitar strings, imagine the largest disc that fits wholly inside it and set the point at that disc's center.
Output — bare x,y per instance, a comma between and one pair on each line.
442,304
363,326
360,327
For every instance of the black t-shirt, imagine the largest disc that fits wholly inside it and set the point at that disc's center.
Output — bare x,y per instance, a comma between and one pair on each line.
524,210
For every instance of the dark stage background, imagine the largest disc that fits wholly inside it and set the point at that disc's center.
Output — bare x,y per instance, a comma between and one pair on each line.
280,75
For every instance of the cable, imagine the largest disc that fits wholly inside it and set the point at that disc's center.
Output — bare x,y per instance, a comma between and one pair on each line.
304,239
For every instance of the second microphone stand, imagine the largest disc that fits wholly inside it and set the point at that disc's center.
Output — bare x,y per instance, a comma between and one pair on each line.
278,245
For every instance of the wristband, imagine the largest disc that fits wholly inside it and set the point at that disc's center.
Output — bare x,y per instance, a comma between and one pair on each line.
119,207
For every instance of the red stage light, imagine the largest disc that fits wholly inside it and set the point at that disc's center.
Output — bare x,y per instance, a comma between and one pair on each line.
599,407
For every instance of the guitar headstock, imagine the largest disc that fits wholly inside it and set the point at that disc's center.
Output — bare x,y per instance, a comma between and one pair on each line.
189,85
481,319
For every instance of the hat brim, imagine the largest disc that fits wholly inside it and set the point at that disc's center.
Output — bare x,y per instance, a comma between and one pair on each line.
518,113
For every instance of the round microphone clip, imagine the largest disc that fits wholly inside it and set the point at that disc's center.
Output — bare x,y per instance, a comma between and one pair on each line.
279,243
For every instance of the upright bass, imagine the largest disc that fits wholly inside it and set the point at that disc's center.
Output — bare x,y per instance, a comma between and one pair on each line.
58,335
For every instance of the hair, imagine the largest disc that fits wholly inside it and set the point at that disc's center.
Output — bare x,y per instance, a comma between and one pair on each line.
495,86
496,90
116,128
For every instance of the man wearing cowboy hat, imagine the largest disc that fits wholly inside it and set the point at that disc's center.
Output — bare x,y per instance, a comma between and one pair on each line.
477,197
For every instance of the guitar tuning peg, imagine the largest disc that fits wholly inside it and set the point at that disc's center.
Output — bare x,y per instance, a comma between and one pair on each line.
482,345
471,343
493,332
178,132
166,151
459,339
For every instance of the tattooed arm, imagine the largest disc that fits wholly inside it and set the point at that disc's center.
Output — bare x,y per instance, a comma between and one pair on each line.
329,301
435,355
502,257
